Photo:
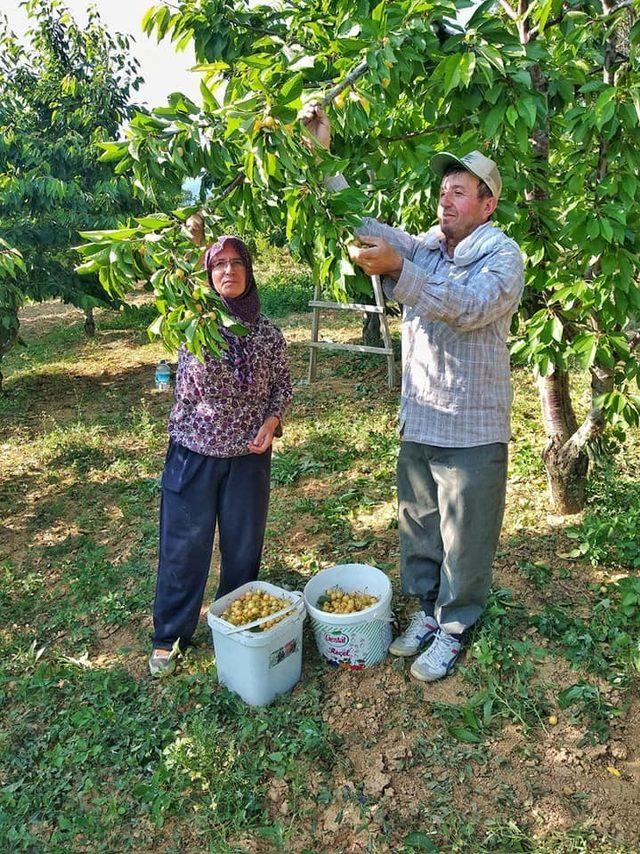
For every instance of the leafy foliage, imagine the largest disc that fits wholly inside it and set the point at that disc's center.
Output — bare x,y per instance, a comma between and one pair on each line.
607,642
11,264
546,98
60,94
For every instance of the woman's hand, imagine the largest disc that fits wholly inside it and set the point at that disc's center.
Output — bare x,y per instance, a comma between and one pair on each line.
264,437
195,227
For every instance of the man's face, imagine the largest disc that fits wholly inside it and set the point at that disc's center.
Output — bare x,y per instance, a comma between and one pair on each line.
460,211
229,273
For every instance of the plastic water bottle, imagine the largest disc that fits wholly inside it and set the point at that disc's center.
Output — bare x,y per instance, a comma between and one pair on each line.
163,376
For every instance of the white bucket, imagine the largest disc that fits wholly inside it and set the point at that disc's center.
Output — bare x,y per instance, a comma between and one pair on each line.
351,641
259,665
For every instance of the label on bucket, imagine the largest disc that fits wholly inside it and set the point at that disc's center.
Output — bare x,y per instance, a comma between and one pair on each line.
363,645
279,655
336,638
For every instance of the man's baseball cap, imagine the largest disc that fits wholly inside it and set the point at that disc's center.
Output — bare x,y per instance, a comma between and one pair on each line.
474,162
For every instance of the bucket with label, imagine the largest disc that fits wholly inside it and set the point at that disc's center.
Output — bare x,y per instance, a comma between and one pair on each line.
356,640
258,664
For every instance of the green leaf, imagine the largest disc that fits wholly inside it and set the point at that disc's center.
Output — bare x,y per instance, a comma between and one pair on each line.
493,120
604,108
291,90
493,56
207,96
147,20
466,68
543,15
153,221
468,736
155,328
88,267
108,234
451,72
606,230
419,841
527,109
522,136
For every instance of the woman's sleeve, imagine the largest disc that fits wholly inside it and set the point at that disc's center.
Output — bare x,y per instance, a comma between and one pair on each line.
281,391
188,377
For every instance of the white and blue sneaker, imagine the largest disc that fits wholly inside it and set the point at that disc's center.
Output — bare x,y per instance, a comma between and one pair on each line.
419,632
437,661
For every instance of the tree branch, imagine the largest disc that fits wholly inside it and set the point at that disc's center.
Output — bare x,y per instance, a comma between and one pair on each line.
414,133
510,11
624,5
594,423
349,80
231,187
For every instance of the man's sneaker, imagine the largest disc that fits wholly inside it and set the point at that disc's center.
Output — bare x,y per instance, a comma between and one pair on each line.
418,633
162,662
438,660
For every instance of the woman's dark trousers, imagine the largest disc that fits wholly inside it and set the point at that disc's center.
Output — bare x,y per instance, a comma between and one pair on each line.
197,493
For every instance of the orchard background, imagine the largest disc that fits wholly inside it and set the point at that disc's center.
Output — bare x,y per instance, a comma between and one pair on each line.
533,745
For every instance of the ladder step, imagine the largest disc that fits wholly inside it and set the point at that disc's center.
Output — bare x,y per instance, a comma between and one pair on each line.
348,306
357,348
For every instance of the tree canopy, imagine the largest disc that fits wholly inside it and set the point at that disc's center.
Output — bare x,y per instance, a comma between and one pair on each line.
548,89
61,91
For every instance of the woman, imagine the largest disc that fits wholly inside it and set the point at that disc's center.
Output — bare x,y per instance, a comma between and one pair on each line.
222,424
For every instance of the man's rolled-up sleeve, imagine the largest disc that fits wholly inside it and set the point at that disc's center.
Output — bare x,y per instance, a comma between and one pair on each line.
463,300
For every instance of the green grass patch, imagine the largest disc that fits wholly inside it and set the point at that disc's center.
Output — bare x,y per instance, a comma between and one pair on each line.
285,293
94,754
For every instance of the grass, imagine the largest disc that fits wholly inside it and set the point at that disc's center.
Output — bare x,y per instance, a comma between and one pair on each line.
95,754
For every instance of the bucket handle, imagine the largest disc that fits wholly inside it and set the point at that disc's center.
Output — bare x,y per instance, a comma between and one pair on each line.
283,612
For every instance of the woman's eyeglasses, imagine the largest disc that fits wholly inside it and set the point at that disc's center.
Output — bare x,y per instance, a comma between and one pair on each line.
234,263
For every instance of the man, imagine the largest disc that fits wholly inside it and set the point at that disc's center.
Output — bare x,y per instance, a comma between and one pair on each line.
460,284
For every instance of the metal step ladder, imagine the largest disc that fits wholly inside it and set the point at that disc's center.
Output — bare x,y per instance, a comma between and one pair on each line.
379,308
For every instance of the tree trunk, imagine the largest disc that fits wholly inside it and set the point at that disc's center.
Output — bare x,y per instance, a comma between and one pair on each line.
371,336
565,461
9,334
89,323
566,469
566,465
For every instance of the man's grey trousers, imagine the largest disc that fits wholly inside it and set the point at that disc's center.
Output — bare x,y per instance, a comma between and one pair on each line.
450,509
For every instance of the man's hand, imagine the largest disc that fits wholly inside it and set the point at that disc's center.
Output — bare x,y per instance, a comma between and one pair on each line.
316,124
376,257
264,437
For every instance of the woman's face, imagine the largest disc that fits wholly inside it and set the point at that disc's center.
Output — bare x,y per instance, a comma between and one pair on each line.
228,273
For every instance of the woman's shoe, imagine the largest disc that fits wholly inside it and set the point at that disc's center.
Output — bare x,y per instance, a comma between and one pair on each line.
162,662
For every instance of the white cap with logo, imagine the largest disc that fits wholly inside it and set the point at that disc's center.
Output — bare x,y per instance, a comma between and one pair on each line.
476,163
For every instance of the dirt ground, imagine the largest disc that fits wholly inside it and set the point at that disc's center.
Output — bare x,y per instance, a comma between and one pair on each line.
551,780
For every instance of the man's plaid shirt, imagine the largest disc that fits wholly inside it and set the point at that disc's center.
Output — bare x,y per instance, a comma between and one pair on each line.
456,383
